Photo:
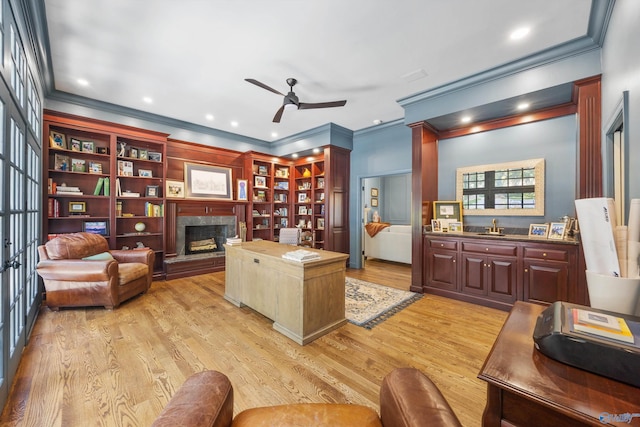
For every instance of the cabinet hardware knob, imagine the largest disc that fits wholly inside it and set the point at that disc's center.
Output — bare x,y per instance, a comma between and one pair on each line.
544,254
441,244
486,249
454,260
526,270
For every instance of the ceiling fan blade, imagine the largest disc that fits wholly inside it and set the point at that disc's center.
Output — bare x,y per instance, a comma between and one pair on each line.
278,116
308,106
263,86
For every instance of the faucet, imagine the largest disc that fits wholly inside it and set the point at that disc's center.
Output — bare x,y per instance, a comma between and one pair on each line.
494,228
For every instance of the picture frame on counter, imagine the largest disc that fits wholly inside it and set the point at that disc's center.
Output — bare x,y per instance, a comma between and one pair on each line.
557,231
174,189
538,231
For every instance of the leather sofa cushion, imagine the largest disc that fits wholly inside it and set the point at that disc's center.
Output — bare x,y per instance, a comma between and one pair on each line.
76,246
308,414
128,272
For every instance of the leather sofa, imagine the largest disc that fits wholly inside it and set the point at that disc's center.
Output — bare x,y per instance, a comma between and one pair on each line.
79,270
408,398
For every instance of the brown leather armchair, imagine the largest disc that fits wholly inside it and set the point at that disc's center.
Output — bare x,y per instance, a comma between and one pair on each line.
107,278
408,398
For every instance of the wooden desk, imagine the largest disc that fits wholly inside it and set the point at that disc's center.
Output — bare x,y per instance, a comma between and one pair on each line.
527,388
305,300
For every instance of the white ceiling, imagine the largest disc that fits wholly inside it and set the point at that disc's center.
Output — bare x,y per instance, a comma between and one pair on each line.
192,56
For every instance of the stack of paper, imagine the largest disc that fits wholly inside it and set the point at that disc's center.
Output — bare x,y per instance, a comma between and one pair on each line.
301,255
234,240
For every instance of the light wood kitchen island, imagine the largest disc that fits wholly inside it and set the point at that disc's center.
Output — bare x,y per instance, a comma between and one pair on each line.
304,299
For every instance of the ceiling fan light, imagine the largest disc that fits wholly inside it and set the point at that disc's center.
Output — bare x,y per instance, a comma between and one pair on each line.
290,106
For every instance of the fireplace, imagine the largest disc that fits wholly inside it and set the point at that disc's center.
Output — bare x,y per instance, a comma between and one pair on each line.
203,234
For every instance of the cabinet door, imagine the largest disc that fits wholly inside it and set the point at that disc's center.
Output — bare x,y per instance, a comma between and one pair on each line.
545,282
501,278
474,277
443,269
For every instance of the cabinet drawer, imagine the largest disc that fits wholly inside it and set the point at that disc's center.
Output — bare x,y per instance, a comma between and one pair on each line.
443,244
546,253
490,248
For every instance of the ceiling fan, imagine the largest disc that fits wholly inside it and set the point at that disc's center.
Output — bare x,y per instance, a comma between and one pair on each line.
291,100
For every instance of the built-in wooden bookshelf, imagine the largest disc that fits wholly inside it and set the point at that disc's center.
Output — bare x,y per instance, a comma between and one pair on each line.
105,178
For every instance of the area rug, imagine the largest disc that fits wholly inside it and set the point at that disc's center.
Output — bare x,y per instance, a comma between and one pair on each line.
369,304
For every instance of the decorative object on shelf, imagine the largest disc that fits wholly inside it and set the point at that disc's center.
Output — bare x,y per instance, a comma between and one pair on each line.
95,167
146,173
77,208
88,146
152,191
435,226
61,162
143,154
207,182
57,140
133,153
140,227
155,156
242,189
102,150
302,197
125,168
122,148
75,144
306,173
78,165
260,181
174,189
96,227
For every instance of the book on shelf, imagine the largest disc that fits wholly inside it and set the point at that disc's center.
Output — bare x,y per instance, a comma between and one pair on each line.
601,325
99,184
107,186
301,255
53,208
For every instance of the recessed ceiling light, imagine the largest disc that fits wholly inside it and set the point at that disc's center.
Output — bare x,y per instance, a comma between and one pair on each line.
83,82
523,106
377,121
148,99
274,134
234,124
294,155
309,159
519,33
465,119
209,117
316,150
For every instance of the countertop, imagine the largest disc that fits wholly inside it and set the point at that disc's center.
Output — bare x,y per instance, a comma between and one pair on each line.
503,237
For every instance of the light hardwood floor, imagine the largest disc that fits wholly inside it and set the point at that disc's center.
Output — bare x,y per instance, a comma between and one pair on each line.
93,367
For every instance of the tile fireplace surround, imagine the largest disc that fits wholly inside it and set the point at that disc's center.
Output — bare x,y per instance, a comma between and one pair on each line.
185,221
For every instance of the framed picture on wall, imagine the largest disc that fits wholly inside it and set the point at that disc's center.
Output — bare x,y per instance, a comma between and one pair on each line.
242,189
446,212
207,182
374,192
174,189
374,202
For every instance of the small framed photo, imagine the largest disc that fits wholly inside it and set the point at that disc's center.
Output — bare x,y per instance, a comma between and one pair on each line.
125,168
374,202
143,154
95,227
302,210
455,227
78,165
155,156
260,181
75,144
77,207
538,231
374,192
133,153
320,223
557,230
95,167
145,173
152,191
57,140
174,189
102,150
242,189
435,226
88,146
302,197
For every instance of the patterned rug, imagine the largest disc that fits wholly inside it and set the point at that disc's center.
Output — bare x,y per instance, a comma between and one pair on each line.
368,304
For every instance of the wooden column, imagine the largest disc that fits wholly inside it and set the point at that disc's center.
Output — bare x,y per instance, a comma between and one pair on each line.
587,95
424,189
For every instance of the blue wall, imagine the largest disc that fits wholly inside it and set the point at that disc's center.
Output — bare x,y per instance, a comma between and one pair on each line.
621,72
554,140
378,151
